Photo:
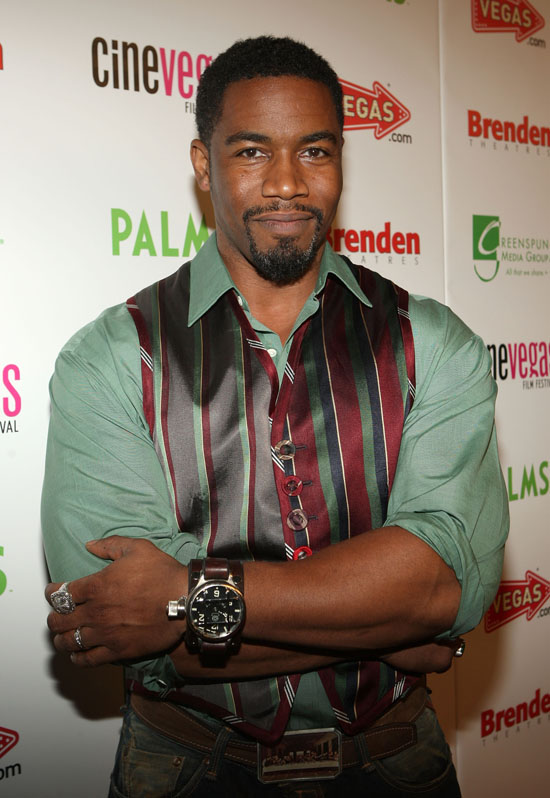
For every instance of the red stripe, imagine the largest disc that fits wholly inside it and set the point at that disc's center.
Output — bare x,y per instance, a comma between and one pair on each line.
389,383
348,415
295,403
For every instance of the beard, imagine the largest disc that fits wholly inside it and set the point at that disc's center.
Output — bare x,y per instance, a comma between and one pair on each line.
285,263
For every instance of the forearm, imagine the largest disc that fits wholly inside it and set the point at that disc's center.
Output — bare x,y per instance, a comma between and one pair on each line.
256,661
382,589
253,661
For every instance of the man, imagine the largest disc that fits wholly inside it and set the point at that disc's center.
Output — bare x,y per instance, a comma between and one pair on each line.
317,446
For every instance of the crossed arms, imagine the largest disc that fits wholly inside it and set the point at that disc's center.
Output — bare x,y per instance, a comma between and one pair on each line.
432,571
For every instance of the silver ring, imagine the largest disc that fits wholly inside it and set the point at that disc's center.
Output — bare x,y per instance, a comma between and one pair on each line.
62,601
78,639
461,648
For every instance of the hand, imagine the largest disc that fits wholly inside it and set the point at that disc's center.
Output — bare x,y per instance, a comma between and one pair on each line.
121,610
425,658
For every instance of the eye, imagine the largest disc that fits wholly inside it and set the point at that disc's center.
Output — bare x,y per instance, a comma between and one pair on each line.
250,153
314,153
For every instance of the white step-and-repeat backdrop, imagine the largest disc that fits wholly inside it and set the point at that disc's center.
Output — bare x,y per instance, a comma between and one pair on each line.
447,167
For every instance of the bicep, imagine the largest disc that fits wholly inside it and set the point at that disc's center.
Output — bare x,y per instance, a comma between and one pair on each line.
448,487
102,475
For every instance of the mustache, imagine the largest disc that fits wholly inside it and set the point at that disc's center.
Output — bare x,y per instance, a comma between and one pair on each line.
256,210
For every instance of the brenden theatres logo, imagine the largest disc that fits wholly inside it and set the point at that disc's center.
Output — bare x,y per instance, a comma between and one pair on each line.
522,597
377,109
508,135
11,399
123,65
523,255
506,16
492,722
392,246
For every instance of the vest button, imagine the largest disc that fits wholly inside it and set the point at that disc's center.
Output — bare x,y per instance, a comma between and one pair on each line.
301,553
292,485
285,450
296,520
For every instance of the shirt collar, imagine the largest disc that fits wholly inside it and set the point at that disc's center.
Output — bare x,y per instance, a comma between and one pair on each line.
210,279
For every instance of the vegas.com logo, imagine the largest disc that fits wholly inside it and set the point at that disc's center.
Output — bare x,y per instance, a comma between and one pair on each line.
518,597
8,740
376,109
507,16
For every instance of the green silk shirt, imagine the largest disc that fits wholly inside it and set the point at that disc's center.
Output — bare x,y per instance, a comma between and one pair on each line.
103,476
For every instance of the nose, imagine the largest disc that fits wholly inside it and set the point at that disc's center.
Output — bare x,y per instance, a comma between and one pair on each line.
284,178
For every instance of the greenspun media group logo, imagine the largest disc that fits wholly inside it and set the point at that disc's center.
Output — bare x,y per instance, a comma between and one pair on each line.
492,246
486,234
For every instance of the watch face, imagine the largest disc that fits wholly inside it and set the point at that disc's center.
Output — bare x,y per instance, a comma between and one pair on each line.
216,611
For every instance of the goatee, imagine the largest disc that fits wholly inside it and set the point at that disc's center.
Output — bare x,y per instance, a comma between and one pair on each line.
285,263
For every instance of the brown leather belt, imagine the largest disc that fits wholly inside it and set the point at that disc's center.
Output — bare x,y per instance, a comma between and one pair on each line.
394,731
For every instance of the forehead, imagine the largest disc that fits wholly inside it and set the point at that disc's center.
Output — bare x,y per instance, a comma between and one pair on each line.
286,104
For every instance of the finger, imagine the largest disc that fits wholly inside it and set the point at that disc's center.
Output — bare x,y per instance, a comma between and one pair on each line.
58,624
94,657
80,589
113,547
68,641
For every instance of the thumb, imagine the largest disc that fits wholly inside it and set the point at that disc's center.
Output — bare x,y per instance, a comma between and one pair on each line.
110,548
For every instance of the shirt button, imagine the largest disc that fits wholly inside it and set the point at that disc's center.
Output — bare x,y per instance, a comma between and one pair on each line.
285,449
292,485
296,520
240,300
302,553
272,352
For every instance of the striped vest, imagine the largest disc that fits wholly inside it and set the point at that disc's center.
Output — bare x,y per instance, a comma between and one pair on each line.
261,471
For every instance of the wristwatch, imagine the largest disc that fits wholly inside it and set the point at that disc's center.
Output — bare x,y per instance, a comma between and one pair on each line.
215,607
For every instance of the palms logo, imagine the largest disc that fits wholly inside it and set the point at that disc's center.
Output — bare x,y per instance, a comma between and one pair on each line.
486,232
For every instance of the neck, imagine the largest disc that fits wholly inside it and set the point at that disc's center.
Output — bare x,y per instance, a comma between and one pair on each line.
276,306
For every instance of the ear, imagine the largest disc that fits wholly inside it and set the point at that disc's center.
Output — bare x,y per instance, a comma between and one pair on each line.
200,158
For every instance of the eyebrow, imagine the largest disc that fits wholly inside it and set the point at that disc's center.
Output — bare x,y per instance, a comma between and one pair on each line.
247,135
260,138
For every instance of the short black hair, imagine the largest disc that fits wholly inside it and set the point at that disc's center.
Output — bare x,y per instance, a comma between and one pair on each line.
262,57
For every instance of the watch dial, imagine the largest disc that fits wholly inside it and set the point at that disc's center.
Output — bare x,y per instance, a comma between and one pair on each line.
216,611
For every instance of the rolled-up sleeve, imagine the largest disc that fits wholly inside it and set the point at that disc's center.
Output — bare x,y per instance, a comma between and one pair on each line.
448,487
102,474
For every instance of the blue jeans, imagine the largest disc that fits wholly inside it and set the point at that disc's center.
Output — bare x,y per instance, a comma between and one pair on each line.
150,765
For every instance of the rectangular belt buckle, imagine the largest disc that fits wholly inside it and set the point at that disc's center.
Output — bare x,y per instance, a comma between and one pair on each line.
303,755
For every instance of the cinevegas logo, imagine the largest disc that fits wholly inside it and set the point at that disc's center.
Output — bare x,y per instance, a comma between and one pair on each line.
506,16
377,109
122,65
11,398
515,598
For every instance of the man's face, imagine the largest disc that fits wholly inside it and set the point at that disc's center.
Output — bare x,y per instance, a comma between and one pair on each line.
274,171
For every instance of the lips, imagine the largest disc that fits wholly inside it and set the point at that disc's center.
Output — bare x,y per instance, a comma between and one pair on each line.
282,216
285,223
